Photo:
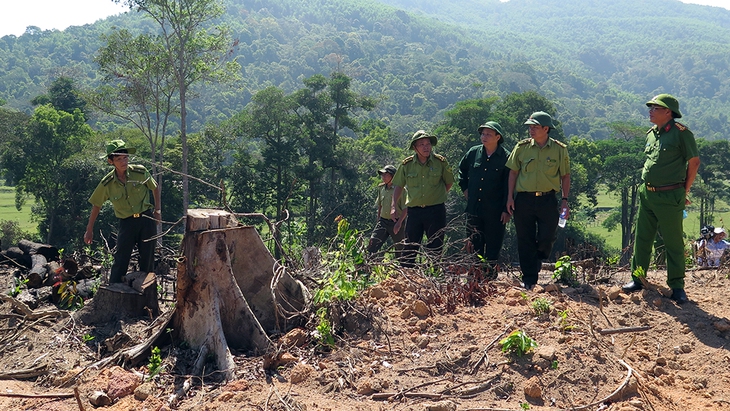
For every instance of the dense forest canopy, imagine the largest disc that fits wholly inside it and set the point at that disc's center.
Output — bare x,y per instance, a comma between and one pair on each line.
598,61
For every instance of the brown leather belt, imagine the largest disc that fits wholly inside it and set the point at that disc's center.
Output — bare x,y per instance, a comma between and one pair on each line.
664,188
538,193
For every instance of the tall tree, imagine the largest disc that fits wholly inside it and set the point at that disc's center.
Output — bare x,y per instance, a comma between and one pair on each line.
194,51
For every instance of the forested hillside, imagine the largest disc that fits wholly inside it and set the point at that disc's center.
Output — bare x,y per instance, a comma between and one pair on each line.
598,61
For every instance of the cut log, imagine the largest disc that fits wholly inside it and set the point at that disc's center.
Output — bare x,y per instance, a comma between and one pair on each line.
224,292
120,300
40,255
30,248
17,255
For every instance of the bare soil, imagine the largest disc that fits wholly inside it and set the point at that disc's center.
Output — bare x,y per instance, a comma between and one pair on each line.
413,344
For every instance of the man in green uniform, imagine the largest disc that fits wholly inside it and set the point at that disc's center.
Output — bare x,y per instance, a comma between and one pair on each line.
671,165
483,178
128,188
539,168
428,178
388,225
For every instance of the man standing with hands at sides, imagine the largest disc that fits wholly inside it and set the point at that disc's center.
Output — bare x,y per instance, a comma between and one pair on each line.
671,165
128,188
388,225
427,178
483,178
539,168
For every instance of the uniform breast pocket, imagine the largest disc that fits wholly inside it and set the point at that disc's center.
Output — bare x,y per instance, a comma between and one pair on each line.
668,149
529,165
551,164
434,177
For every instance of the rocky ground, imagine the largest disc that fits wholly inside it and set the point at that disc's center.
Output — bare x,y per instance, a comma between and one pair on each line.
413,344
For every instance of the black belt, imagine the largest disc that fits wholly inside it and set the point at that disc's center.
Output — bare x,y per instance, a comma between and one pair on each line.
147,212
537,193
664,188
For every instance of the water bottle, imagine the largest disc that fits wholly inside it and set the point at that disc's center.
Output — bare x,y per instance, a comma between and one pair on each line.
684,213
562,220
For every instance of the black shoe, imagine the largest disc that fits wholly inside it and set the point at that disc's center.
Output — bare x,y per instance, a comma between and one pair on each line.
528,287
632,286
679,295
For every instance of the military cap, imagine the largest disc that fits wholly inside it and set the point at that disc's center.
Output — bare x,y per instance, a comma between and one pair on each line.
540,118
119,147
387,169
422,134
666,101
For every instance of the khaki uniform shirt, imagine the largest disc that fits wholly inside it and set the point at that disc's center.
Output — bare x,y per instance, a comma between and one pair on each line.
540,169
667,151
385,199
426,183
130,198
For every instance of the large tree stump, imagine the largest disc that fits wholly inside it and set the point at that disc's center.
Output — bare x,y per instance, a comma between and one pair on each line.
224,292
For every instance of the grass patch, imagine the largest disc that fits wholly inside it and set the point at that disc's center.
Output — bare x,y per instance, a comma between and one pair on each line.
10,213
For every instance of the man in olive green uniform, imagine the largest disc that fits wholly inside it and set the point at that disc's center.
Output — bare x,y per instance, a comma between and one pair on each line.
428,178
671,165
539,168
483,178
388,225
128,188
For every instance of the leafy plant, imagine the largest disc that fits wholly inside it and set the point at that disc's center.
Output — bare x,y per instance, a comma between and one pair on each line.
87,338
16,289
564,325
541,305
554,365
342,282
323,331
154,366
565,271
70,298
524,406
518,342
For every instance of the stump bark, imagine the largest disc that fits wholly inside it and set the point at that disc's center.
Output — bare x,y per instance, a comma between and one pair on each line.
230,290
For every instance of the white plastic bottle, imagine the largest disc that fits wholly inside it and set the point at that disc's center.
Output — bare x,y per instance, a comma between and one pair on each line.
562,220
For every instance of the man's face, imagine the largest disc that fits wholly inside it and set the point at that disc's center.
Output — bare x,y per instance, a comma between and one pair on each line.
120,162
659,115
387,177
489,137
423,147
538,132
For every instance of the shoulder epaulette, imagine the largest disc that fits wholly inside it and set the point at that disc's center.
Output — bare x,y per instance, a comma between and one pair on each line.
440,157
681,126
408,159
137,168
560,143
649,130
107,178
523,142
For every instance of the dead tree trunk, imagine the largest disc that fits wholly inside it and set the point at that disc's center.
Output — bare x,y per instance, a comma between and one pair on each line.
224,292
39,254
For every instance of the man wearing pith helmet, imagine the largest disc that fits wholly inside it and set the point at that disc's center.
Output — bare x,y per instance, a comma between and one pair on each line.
128,187
387,224
671,165
539,169
427,178
483,178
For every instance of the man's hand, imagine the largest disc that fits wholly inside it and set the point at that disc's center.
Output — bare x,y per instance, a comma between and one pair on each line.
88,236
510,206
505,218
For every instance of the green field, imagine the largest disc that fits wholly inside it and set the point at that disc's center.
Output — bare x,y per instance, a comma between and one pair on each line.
691,223
9,212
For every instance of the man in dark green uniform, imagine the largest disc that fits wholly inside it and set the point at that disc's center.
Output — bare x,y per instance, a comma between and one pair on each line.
128,188
539,168
388,225
671,165
428,178
483,178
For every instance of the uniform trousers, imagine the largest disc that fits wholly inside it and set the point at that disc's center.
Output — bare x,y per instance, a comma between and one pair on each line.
430,220
384,229
486,233
536,224
660,211
133,231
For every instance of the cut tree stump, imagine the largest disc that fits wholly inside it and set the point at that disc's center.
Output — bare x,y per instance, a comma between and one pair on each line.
135,298
230,290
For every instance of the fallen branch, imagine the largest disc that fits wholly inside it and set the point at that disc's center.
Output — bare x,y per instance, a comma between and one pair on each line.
624,330
629,372
19,395
484,353
24,374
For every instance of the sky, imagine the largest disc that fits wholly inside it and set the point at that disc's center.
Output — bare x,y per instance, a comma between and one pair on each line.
59,14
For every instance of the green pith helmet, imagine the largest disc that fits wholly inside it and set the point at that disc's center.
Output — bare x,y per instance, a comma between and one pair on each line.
666,101
422,134
390,169
540,118
494,126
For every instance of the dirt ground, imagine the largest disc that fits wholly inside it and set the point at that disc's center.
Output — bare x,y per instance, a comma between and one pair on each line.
411,344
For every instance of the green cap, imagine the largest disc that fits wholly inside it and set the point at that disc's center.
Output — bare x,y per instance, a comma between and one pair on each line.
422,134
540,118
494,126
666,101
118,146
